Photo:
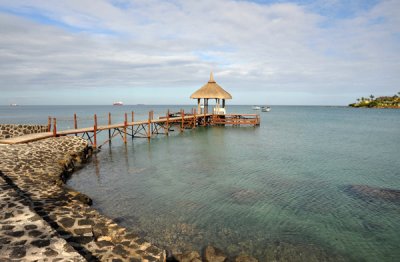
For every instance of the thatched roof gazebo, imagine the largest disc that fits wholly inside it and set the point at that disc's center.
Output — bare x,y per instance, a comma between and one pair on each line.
211,90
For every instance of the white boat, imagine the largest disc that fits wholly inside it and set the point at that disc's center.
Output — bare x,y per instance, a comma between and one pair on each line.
256,108
13,104
201,106
265,109
119,103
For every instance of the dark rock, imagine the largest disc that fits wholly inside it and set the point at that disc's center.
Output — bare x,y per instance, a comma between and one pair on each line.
104,243
67,222
41,242
5,241
119,250
100,229
7,227
153,250
20,243
245,258
85,222
30,227
50,252
34,233
83,231
368,193
18,252
188,256
15,233
212,254
81,239
83,198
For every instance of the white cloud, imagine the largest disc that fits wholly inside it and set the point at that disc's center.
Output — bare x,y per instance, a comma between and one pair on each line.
275,48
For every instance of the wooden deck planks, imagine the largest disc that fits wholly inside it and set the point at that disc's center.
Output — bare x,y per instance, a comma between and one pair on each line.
26,138
229,119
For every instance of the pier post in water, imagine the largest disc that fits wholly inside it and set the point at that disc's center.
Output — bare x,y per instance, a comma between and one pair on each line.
133,120
95,131
149,126
167,129
183,119
109,130
125,126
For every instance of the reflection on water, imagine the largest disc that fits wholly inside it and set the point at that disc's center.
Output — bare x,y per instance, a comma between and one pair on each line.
274,191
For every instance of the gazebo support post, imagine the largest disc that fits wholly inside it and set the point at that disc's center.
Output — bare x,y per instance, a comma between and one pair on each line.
198,106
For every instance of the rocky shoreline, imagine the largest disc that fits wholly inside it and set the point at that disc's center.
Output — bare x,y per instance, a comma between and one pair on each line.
43,219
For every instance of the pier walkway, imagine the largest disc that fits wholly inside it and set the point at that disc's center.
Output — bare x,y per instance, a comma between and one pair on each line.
140,129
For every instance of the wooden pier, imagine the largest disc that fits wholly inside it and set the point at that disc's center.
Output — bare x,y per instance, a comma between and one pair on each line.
140,129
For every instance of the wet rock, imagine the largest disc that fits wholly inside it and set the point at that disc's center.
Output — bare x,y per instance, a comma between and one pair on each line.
190,256
18,252
41,243
245,258
67,222
50,252
212,254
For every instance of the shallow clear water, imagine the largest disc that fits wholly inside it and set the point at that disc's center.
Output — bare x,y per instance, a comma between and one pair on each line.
249,189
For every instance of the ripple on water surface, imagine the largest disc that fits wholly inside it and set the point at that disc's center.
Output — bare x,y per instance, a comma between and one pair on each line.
274,191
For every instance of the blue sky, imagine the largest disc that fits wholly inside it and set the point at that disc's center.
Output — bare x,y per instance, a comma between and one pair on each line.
326,52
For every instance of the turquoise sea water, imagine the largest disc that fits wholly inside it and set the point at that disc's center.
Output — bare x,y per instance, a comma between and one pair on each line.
279,187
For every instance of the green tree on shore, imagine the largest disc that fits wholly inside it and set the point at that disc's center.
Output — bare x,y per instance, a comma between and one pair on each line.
372,97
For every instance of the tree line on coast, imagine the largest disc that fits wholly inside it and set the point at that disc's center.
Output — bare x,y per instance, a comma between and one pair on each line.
378,102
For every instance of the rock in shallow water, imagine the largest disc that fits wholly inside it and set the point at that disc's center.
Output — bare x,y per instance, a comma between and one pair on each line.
367,193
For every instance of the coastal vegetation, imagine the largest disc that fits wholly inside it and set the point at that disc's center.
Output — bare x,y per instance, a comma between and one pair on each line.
379,102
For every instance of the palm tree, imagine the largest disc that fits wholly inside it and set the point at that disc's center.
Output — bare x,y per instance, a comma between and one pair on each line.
358,99
362,99
372,97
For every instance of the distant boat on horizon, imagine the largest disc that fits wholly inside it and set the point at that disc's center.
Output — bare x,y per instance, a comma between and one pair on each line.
118,103
256,107
13,104
266,109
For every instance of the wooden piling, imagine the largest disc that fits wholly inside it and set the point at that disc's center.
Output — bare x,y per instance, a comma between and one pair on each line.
49,124
183,119
109,130
167,129
54,127
149,126
75,123
133,120
125,126
95,132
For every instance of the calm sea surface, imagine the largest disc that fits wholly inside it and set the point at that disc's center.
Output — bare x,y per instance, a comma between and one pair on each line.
285,185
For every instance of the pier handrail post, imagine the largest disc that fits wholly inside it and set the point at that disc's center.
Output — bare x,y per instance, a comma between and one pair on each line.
125,126
204,122
54,127
49,124
167,130
183,119
95,131
149,126
75,124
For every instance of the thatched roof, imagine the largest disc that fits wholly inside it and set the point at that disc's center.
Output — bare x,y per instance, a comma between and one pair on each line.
211,90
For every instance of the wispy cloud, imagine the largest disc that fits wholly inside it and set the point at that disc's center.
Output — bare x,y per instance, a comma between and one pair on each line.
269,47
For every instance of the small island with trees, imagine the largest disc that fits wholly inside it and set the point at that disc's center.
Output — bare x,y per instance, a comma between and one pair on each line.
379,102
